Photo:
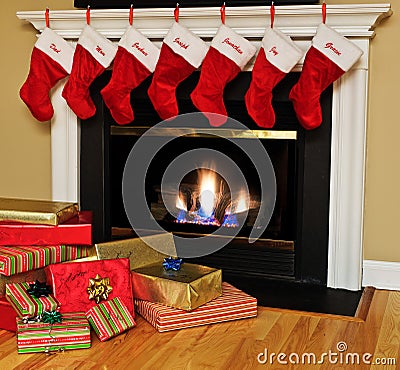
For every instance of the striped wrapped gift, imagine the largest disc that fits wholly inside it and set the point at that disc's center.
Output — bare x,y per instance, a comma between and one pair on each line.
110,318
14,260
232,305
27,305
72,333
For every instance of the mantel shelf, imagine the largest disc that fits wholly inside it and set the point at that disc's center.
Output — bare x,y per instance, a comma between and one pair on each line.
298,21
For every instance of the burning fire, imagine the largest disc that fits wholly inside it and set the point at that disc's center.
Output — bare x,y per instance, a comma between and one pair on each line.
180,204
210,203
207,193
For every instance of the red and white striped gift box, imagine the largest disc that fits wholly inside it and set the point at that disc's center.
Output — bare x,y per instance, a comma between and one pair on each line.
232,305
17,259
72,333
110,318
28,305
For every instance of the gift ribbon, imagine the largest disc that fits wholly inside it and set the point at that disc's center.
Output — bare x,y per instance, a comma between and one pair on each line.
52,338
32,320
324,12
99,288
49,317
39,289
172,263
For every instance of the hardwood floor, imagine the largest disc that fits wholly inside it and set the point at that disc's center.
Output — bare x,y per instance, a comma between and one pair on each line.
236,344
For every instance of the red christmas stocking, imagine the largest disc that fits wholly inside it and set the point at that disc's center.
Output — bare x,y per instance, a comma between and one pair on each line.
51,61
277,56
135,60
181,53
228,54
330,56
93,54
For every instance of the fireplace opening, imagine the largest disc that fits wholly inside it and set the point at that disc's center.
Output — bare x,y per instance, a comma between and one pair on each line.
204,203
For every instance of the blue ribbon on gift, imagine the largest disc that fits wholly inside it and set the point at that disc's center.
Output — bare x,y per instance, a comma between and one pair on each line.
171,263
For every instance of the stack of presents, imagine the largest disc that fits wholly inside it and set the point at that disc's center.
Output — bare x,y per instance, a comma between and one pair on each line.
55,286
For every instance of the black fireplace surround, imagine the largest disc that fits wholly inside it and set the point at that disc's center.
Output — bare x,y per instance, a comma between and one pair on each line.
294,250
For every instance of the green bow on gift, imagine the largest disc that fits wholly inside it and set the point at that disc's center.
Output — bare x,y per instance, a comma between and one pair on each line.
51,317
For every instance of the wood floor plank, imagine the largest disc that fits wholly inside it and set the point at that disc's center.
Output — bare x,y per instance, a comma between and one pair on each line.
366,339
279,333
265,322
365,303
297,341
232,345
388,343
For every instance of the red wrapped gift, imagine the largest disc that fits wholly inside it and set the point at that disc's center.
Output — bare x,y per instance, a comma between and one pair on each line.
80,286
233,304
8,316
110,318
14,260
76,231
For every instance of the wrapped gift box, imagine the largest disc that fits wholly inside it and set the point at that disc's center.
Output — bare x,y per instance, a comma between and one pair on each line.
36,211
75,231
110,318
138,250
187,289
14,260
72,333
71,280
232,305
33,275
8,315
27,305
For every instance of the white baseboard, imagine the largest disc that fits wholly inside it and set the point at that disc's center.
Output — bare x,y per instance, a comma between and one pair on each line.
381,274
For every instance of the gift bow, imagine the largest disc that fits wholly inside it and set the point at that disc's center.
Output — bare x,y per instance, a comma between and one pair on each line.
171,263
38,289
49,317
99,288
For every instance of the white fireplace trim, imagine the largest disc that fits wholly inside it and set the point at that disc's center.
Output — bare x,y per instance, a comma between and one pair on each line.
349,113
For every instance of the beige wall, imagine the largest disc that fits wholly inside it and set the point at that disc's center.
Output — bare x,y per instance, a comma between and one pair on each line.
25,143
382,188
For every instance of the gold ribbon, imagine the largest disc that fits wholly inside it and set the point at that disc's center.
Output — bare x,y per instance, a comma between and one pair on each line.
99,288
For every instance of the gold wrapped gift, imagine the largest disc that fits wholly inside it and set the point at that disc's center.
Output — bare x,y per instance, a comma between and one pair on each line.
36,211
187,289
138,250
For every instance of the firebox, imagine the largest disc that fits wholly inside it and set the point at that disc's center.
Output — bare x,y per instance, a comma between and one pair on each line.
295,243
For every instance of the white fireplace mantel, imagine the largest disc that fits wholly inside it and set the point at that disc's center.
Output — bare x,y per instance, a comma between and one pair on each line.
349,113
